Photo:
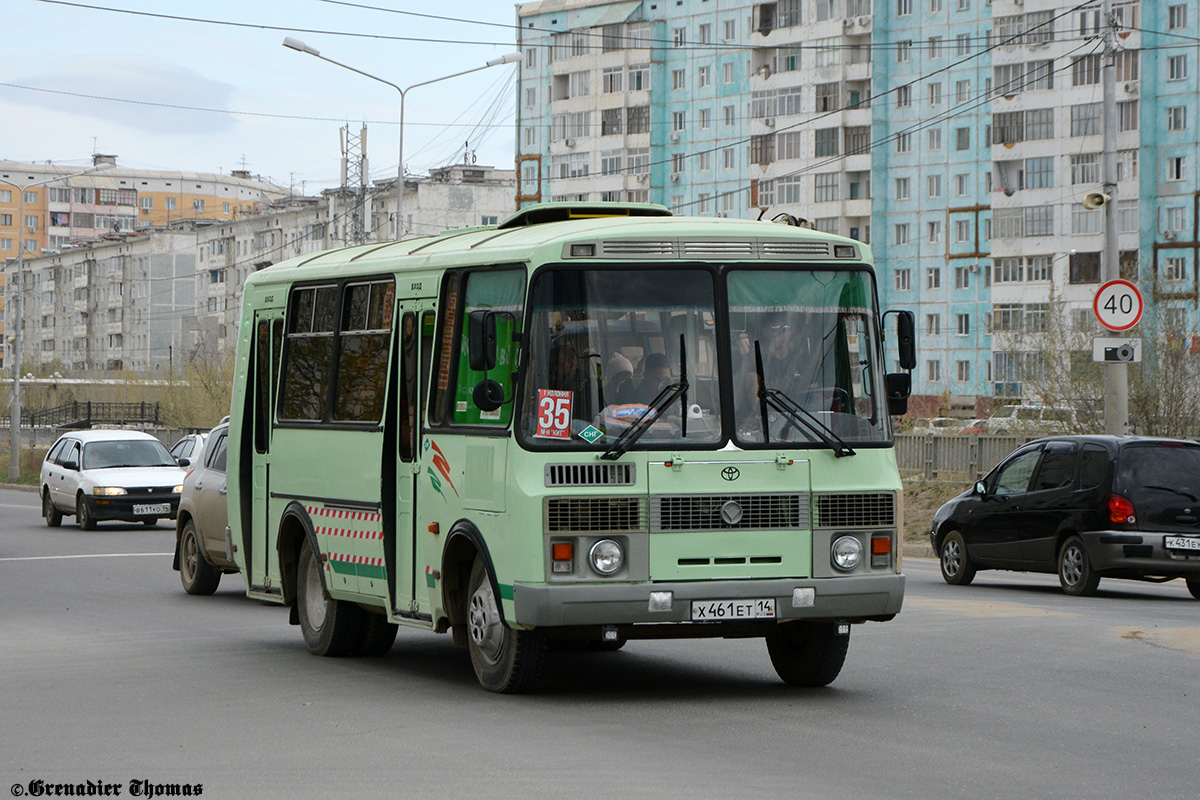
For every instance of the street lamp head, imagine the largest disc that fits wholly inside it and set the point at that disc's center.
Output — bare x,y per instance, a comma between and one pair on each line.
507,58
296,44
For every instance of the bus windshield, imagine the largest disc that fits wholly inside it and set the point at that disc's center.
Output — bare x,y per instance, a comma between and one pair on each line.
806,337
613,348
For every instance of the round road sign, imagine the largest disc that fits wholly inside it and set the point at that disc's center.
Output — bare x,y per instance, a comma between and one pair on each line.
1118,305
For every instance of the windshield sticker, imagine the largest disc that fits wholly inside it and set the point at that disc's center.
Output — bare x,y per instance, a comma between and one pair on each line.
554,414
590,434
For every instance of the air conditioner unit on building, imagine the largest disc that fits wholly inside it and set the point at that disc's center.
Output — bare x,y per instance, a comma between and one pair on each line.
864,21
642,177
769,122
1131,87
847,22
674,176
674,137
1169,235
973,268
569,142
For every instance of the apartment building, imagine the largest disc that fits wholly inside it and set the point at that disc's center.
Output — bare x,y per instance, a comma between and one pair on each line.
148,300
957,137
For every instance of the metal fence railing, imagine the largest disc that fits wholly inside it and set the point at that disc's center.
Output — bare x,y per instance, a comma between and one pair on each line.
954,457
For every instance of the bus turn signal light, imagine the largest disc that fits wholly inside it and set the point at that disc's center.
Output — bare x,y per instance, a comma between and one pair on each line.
563,555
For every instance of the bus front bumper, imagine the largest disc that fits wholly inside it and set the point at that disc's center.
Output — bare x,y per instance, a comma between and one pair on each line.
854,598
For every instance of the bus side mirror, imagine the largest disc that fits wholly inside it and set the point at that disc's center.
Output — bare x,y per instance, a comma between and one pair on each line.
488,395
906,340
899,387
481,340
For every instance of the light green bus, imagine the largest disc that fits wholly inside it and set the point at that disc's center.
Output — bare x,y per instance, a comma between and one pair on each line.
588,424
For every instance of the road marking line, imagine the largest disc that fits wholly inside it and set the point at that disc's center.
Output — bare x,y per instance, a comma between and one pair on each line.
18,505
86,555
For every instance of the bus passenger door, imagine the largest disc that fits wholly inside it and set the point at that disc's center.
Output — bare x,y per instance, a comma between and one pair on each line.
262,560
417,323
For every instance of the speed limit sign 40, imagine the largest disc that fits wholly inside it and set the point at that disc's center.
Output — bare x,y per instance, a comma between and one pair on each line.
1118,305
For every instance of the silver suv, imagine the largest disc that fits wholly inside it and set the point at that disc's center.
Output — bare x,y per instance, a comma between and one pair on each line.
109,474
203,548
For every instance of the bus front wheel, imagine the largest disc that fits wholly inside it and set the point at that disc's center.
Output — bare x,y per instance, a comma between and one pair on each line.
808,653
505,659
330,627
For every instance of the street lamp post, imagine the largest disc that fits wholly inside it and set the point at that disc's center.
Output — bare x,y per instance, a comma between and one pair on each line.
299,46
17,319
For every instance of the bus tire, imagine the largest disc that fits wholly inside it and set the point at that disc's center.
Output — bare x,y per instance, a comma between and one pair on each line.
376,636
330,627
807,653
196,574
505,659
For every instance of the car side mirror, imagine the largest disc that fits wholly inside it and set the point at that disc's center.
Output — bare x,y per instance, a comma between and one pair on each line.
184,462
980,489
71,465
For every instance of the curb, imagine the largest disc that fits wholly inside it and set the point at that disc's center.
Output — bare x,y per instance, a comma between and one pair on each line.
18,487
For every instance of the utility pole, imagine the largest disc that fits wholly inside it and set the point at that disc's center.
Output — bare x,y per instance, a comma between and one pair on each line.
1116,374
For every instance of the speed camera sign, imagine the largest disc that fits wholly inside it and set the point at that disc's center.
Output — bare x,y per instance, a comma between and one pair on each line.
1118,305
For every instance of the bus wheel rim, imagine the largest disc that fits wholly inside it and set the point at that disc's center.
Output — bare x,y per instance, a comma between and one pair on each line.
314,595
484,625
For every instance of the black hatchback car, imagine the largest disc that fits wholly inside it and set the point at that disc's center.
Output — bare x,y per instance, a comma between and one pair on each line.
1086,507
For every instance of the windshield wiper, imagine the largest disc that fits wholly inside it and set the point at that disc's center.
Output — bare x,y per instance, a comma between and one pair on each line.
1180,492
658,405
797,414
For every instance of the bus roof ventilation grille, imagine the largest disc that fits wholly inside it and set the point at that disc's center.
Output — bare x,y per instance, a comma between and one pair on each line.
784,249
744,249
856,510
662,249
590,475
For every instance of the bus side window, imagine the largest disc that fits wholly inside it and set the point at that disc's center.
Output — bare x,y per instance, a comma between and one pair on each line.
428,330
440,378
262,380
501,291
408,386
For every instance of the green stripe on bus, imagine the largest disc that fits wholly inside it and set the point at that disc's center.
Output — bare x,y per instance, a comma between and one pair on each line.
342,567
506,592
368,571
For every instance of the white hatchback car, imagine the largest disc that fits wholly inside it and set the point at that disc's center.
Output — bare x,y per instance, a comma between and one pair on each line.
109,474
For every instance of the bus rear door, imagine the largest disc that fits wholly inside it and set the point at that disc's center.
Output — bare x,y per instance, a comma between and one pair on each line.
268,347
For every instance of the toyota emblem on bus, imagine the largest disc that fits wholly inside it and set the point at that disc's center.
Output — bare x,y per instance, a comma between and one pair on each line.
730,473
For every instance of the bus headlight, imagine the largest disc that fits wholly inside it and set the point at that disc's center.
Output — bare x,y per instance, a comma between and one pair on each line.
846,553
606,557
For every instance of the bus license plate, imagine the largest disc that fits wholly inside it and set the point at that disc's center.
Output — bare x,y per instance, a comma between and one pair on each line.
1182,543
725,610
152,508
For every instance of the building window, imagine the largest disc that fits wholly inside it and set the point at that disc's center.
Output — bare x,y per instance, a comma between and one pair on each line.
962,325
933,231
962,230
1085,70
1176,68
1174,217
902,192
933,138
933,278
962,184
678,79
903,280
704,76
826,187
901,233
933,324
962,138
962,370
903,96
933,371
1085,168
935,94
1174,269
1084,268
1176,118
903,142
639,78
1086,119
678,120
1176,17
1175,168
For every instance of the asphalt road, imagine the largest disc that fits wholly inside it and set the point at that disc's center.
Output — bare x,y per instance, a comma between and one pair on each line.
1005,689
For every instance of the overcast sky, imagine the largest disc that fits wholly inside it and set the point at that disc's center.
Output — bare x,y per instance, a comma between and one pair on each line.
73,54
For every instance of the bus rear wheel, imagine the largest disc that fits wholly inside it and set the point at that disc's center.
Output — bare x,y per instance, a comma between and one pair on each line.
505,659
808,653
330,627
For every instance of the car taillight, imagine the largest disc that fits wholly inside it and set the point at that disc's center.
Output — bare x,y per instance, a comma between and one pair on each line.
1120,510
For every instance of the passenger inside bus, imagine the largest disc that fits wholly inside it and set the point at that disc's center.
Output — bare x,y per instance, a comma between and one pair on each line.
618,384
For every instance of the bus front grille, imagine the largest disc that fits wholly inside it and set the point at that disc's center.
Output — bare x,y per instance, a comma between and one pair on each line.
729,512
590,474
856,510
595,514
